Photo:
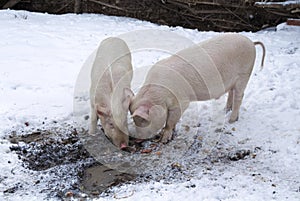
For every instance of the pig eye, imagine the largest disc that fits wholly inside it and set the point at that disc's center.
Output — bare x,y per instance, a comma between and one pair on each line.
111,125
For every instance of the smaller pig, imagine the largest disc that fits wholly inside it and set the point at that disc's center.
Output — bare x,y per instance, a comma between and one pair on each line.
201,72
111,74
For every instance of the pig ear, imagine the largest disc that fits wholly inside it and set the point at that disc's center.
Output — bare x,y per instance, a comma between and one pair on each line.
128,95
142,111
102,111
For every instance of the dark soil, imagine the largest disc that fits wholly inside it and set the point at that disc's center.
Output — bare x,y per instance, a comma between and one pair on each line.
60,153
44,149
66,169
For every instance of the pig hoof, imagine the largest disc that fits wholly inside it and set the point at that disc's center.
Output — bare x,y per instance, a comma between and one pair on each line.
164,141
166,137
233,120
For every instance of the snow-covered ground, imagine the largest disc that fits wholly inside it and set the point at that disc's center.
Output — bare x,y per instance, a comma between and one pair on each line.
41,56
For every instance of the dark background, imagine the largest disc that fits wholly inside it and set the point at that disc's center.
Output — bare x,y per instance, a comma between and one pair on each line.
205,15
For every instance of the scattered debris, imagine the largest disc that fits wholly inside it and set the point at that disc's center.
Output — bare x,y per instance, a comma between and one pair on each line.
239,155
13,189
58,152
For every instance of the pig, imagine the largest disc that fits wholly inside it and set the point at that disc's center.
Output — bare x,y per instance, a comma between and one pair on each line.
111,74
201,72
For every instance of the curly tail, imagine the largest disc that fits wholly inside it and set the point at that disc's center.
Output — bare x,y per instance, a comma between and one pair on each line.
264,53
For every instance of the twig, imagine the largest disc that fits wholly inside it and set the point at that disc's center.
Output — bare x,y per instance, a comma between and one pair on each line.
110,6
246,23
225,27
207,3
280,13
197,12
198,2
63,7
194,17
11,4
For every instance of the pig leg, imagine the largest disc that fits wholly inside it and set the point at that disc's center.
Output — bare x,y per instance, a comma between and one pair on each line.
229,100
239,89
236,106
94,119
172,119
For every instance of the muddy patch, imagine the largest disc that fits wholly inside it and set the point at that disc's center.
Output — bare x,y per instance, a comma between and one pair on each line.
41,150
63,163
98,178
66,169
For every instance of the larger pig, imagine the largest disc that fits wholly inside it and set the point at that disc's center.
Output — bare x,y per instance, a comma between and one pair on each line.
111,73
201,72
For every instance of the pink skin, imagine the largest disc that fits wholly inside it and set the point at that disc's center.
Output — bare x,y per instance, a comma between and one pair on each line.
111,73
198,73
112,131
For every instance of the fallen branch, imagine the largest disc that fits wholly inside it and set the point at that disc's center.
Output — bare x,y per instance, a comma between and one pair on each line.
63,7
11,4
109,5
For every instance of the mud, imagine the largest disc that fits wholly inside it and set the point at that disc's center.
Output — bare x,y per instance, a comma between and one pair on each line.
97,179
67,170
59,153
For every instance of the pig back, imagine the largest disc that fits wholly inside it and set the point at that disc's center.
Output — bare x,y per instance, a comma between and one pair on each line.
112,62
231,54
121,67
206,70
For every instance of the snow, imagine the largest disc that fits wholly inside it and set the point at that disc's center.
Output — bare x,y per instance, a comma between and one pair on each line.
284,3
41,56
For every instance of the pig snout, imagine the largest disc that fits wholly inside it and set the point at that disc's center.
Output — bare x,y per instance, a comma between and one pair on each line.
119,139
123,146
123,142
